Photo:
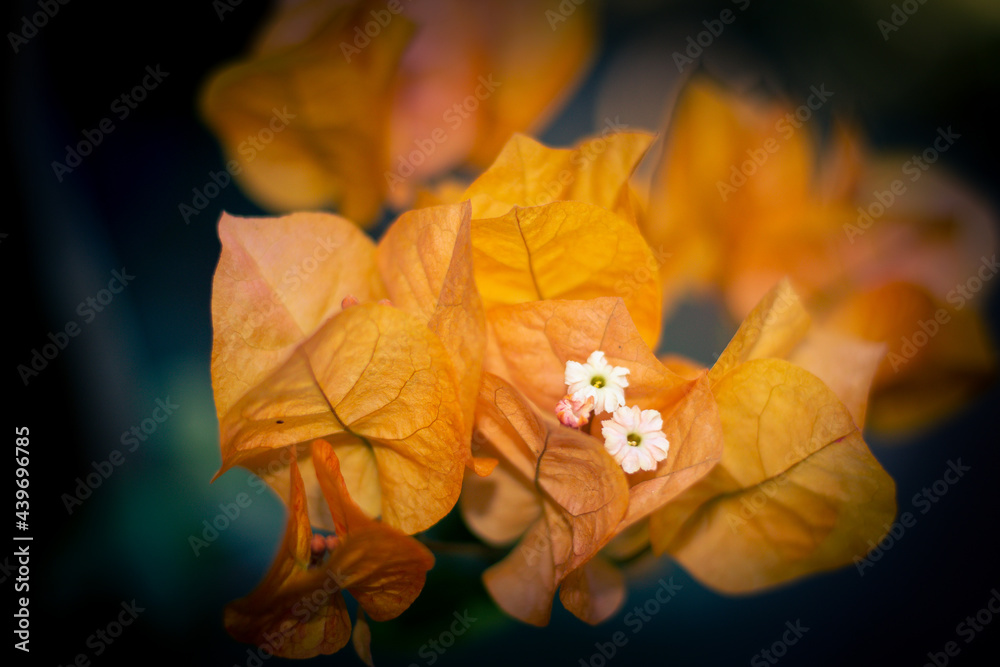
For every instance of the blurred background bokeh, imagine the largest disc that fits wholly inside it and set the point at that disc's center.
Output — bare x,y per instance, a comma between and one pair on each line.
119,211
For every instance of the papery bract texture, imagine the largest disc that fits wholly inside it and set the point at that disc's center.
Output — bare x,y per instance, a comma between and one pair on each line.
797,490
298,610
381,384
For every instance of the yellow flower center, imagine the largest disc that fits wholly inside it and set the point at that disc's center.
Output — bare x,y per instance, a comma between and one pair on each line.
597,382
634,439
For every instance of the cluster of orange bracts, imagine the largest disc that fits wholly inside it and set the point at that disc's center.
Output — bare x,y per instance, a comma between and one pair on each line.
423,371
375,386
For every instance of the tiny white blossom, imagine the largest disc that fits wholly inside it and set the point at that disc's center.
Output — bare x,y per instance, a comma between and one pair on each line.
599,380
635,439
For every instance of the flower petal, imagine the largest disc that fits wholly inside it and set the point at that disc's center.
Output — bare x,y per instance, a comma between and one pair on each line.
539,342
772,329
845,364
361,638
797,490
516,69
916,384
528,173
332,150
583,495
267,618
594,592
259,314
381,375
695,209
425,259
566,250
536,339
501,507
383,568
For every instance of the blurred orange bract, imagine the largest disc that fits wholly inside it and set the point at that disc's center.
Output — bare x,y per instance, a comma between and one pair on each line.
382,96
743,198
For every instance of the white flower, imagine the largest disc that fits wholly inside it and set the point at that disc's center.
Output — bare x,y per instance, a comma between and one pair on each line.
635,438
599,380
